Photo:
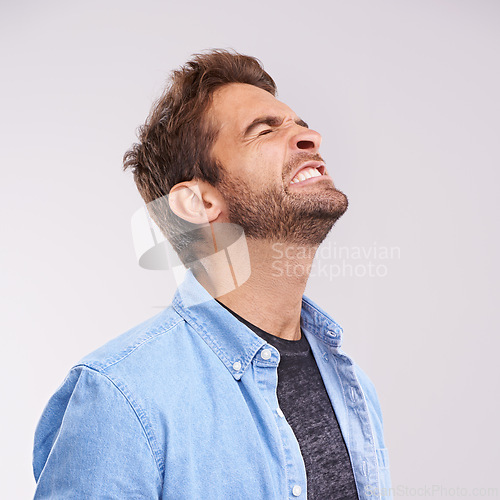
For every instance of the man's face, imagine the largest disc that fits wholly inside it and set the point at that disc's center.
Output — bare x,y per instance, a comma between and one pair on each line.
276,185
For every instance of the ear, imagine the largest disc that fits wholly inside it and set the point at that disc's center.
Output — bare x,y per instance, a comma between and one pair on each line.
195,201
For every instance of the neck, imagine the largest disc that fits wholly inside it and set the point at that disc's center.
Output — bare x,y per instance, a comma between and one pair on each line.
271,297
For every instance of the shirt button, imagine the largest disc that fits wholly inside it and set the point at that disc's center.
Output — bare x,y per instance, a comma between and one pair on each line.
237,366
265,354
279,412
296,490
332,334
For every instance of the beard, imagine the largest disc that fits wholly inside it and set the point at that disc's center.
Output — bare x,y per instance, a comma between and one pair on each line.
304,217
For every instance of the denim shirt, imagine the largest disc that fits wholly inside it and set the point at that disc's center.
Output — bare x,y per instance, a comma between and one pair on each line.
184,406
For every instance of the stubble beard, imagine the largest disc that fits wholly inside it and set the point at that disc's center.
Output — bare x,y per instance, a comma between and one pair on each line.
275,214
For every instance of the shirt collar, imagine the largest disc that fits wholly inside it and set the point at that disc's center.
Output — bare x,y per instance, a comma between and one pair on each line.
231,340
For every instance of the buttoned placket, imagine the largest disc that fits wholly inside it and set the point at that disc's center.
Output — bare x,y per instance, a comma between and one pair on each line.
266,374
337,368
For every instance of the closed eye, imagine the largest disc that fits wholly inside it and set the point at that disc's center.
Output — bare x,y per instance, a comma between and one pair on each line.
264,132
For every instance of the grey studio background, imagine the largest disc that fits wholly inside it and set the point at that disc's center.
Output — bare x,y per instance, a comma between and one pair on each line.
406,96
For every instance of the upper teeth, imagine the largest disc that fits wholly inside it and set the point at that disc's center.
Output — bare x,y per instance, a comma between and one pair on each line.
307,173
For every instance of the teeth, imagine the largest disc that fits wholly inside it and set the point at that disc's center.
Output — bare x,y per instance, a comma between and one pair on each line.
305,174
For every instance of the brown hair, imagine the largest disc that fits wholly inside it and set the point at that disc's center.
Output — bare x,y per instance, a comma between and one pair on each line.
175,141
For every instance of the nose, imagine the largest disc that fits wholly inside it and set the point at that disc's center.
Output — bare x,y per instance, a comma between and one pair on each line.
305,139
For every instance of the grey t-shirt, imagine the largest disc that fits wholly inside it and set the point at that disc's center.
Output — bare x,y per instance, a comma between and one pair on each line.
305,403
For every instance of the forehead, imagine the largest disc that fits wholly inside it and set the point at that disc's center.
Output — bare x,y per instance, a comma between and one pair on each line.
237,104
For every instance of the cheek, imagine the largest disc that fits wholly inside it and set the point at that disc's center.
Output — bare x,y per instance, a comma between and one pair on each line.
261,164
273,154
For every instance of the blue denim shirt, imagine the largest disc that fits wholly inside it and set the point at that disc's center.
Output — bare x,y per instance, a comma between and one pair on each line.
184,406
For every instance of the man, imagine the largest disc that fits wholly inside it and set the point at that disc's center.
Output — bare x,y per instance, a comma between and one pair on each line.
239,389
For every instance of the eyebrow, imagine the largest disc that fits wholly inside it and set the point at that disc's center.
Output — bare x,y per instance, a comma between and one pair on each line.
272,121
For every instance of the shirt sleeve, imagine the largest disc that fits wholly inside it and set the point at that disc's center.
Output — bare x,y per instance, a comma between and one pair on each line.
90,443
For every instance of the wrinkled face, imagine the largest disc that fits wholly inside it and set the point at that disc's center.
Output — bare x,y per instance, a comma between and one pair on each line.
276,185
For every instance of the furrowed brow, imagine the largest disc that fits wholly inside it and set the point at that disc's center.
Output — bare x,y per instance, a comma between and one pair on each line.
271,121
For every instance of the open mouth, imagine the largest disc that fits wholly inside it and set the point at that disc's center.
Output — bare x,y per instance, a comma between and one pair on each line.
307,173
